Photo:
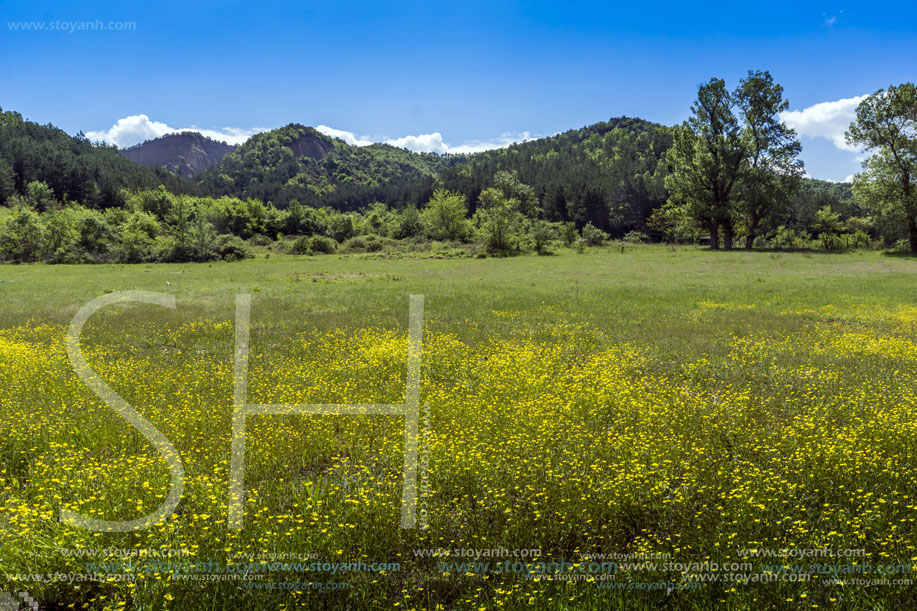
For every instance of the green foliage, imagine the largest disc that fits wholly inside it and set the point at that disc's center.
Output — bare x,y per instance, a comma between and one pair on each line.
593,236
300,246
674,222
508,183
635,237
443,217
40,196
771,172
364,243
409,224
343,227
542,235
706,160
299,163
568,233
73,169
787,237
886,124
726,171
231,248
828,225
499,220
610,174
322,245
22,236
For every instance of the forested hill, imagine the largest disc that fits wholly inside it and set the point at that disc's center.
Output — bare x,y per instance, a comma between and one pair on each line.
610,174
75,169
300,163
185,154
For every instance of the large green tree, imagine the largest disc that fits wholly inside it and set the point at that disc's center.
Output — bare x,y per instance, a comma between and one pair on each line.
772,171
444,216
886,124
706,159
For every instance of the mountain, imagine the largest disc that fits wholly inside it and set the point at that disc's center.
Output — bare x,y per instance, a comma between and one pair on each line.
185,154
610,174
299,163
74,168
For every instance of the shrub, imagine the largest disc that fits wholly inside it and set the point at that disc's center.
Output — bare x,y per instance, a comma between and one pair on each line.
499,221
22,235
569,234
342,227
593,235
444,216
409,224
134,246
322,244
300,246
635,237
259,239
541,234
231,248
361,243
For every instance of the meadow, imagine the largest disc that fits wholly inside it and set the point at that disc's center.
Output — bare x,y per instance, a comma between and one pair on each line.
734,429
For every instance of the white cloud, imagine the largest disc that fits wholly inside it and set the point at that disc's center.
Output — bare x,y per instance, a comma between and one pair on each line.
828,120
849,178
348,137
428,143
139,128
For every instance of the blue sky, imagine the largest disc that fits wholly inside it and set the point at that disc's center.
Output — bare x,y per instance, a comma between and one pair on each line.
441,75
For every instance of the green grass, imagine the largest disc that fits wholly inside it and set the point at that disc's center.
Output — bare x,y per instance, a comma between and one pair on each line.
681,402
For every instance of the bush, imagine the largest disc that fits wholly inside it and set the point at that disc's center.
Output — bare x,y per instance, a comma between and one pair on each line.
593,235
569,234
635,237
135,246
363,243
444,216
231,248
541,234
300,246
22,235
317,244
790,238
342,227
321,244
259,239
409,225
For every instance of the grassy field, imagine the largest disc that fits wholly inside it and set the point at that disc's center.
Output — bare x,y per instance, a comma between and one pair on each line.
711,421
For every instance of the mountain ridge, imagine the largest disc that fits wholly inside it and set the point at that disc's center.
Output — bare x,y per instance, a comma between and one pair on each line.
186,153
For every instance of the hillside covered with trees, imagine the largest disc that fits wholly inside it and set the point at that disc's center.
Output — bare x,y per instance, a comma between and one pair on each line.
728,176
300,163
73,168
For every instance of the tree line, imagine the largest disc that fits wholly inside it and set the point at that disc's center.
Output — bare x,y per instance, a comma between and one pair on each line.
729,174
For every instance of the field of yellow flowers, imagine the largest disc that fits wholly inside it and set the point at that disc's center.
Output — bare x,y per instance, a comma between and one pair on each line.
637,429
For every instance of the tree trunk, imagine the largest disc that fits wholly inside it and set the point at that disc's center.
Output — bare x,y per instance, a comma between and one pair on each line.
714,235
912,233
727,236
751,230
